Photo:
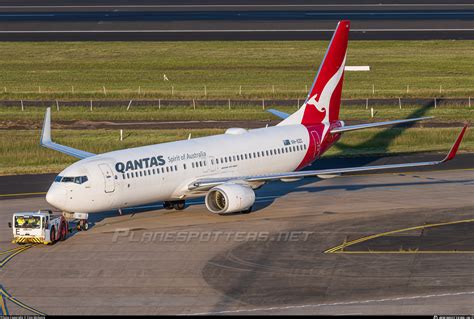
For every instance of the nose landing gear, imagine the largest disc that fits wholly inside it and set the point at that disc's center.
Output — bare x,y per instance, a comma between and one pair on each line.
82,225
82,219
177,205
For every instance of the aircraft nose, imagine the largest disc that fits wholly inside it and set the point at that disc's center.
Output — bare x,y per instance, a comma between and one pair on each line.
56,196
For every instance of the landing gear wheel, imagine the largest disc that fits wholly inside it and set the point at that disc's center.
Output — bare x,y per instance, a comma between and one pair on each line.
83,225
247,211
167,205
179,205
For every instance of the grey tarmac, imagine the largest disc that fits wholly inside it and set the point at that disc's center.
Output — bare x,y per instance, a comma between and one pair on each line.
108,20
270,261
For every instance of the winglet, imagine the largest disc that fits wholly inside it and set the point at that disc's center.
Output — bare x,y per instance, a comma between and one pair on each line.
46,141
454,148
46,131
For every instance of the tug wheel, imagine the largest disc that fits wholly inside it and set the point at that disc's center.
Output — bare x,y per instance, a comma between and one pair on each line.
53,235
63,231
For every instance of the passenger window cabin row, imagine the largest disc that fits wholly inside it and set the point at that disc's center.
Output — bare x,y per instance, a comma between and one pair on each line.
221,160
258,154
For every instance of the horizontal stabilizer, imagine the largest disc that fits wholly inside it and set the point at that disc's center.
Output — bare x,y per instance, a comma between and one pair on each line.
48,143
371,125
280,114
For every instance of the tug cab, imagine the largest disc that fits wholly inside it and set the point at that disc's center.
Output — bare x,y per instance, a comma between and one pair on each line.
42,227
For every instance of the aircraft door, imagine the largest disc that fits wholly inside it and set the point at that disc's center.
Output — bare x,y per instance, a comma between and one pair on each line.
108,178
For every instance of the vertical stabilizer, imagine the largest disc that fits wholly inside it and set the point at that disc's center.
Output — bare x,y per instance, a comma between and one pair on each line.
324,99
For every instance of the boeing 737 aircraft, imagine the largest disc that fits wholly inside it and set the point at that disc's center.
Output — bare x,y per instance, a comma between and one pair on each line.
225,168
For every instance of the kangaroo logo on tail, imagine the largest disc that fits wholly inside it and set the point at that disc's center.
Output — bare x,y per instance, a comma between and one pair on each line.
324,99
323,103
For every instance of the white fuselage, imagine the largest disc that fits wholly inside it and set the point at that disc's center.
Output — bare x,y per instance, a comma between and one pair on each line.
162,172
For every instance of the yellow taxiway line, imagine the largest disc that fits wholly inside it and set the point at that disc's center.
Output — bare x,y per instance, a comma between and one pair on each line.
10,250
340,248
15,252
22,194
406,252
3,306
4,295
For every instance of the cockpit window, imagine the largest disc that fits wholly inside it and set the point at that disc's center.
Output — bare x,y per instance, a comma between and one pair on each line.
80,179
71,179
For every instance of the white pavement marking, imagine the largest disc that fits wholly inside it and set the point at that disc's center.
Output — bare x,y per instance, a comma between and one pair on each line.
222,31
378,5
307,14
332,304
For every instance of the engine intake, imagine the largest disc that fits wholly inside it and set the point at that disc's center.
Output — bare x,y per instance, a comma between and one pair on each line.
229,198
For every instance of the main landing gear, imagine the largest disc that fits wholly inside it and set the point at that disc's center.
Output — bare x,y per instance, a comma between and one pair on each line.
176,204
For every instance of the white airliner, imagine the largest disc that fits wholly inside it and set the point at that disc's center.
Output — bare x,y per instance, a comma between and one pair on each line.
225,168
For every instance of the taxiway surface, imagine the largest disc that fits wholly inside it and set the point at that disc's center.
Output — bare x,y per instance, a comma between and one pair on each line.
236,20
399,243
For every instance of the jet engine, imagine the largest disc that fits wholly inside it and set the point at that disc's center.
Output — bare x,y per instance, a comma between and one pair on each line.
230,198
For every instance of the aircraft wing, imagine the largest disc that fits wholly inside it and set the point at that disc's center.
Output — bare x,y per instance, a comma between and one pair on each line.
48,143
370,125
207,183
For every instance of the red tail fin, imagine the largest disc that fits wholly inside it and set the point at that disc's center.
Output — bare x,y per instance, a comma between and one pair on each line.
324,99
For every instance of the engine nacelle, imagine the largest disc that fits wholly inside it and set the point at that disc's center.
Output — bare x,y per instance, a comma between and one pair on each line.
229,198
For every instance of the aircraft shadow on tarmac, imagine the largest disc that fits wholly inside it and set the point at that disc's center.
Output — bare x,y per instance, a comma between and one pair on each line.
266,197
384,138
303,187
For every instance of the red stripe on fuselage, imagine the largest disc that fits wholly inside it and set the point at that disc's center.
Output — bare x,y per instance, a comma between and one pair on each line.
314,150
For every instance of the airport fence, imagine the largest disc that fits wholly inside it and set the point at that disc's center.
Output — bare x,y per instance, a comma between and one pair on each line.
220,92
234,103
